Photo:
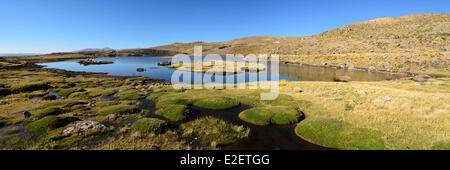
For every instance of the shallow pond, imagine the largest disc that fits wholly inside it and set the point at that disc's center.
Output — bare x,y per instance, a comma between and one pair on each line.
126,66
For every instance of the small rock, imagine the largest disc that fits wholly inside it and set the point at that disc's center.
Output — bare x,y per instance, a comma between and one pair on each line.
112,117
434,83
372,69
128,124
419,79
91,104
26,114
441,95
423,76
387,99
140,69
361,92
298,90
342,79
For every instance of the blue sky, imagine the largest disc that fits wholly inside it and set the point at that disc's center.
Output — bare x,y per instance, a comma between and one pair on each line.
30,26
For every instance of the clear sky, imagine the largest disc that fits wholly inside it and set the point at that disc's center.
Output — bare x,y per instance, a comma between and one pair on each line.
40,26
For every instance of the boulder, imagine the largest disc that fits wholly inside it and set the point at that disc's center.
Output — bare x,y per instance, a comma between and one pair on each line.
165,63
342,79
26,114
140,69
82,126
112,117
421,78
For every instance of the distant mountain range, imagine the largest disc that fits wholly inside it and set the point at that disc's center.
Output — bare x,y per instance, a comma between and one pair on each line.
17,54
94,49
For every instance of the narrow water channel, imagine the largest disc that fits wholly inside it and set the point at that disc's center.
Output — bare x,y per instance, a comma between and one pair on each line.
272,137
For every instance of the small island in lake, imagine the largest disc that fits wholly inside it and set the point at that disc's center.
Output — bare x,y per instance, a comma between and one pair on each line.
93,62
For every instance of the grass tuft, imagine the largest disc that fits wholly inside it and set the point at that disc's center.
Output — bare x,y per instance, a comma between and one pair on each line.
174,112
213,132
131,94
281,115
339,134
117,109
49,123
149,125
54,110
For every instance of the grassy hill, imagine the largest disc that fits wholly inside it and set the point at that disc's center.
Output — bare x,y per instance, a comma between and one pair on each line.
414,43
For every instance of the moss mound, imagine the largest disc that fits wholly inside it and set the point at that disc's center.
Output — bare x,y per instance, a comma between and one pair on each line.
212,131
149,125
49,97
174,112
108,92
131,94
216,103
4,91
78,108
64,103
66,92
53,110
29,86
117,109
81,95
338,134
281,115
49,123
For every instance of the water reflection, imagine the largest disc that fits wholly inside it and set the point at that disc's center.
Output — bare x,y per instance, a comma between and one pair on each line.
126,66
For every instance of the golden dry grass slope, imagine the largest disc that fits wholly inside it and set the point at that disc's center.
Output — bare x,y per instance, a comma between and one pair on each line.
414,43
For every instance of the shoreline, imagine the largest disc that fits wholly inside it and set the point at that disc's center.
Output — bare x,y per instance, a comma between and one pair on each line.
34,62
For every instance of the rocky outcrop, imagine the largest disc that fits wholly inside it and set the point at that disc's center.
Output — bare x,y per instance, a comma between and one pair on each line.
342,79
83,126
140,69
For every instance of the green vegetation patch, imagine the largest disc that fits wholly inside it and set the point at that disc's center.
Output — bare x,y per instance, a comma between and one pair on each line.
16,142
131,94
213,132
117,109
53,110
29,86
81,95
174,112
441,145
66,92
108,92
339,134
283,110
149,125
216,103
64,103
49,97
78,108
49,123
281,115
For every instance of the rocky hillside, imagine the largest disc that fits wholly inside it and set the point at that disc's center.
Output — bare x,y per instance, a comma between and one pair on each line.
414,43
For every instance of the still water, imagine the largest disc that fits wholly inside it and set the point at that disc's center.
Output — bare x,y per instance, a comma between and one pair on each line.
126,66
